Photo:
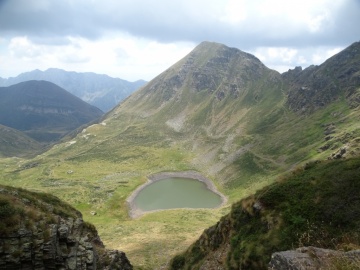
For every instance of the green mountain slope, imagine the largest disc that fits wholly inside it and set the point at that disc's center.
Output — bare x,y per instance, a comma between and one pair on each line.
316,205
43,110
16,143
218,111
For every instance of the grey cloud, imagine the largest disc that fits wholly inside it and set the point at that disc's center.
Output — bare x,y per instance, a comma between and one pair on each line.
166,21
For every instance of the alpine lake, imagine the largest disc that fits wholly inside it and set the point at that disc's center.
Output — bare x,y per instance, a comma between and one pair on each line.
169,191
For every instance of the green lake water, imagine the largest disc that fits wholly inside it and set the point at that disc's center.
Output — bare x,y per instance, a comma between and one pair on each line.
176,193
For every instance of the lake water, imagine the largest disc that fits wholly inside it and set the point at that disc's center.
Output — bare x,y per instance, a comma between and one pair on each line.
176,192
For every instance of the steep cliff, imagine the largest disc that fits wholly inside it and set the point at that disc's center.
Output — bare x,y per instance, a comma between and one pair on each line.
38,231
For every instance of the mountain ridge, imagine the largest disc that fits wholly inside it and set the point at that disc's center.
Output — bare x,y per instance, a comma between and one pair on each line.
43,110
99,90
317,86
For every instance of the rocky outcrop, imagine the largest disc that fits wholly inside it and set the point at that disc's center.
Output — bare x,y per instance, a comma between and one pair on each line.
48,234
312,258
67,244
317,86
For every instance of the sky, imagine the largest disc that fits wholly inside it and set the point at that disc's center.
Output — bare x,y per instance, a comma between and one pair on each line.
138,39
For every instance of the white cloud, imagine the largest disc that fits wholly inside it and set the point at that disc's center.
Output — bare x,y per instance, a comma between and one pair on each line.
118,56
282,59
320,55
21,47
234,12
139,39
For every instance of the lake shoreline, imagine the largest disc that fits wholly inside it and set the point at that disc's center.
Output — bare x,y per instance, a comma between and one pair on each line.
135,212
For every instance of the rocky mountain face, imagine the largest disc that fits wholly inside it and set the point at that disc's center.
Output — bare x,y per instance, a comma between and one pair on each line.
38,231
317,86
98,90
43,110
211,73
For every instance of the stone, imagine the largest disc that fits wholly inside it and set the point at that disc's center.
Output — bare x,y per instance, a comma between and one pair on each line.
312,258
63,231
89,257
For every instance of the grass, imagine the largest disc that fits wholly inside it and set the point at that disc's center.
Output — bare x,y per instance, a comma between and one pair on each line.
101,185
22,208
315,205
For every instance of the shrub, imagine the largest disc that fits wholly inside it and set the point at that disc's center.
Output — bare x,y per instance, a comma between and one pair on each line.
177,262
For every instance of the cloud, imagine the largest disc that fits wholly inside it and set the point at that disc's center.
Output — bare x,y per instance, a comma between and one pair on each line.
140,37
282,58
119,56
252,22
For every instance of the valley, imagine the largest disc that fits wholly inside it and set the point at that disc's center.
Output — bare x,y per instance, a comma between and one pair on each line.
218,111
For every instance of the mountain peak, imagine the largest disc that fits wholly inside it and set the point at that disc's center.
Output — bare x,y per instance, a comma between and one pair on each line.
219,49
212,72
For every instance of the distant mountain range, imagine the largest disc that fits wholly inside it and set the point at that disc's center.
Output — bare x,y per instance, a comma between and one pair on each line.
43,110
101,91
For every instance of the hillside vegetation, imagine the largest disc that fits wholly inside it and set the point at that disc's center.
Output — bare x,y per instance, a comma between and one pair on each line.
315,205
218,111
16,143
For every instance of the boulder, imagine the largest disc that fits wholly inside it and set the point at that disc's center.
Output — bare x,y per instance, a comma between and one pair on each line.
312,258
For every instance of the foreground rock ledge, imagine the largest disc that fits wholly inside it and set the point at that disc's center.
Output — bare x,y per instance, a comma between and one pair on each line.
45,237
70,244
312,258
135,212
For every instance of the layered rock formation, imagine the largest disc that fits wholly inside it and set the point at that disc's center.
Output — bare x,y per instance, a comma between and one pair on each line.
41,232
